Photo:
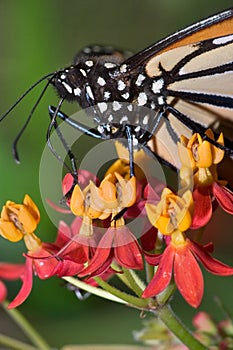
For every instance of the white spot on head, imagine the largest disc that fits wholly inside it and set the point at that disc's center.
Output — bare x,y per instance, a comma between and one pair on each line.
102,106
100,128
157,85
109,65
89,92
145,120
87,50
142,98
83,72
223,40
135,141
89,63
110,118
161,100
107,95
125,96
67,87
77,91
96,48
108,127
121,85
140,79
101,81
152,105
116,106
123,68
124,119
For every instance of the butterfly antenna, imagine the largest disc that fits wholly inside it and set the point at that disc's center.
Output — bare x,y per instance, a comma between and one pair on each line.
53,124
25,93
15,143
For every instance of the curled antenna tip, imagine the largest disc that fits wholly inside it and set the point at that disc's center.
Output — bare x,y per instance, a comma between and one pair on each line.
15,154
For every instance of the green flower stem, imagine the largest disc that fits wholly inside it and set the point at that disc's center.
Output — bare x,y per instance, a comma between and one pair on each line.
168,317
14,344
93,290
150,271
130,299
166,294
133,282
27,328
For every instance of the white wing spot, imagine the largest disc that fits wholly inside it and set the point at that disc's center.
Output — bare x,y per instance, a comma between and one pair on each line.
130,107
223,40
110,118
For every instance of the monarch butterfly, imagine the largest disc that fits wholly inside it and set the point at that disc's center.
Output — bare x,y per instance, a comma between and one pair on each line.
184,81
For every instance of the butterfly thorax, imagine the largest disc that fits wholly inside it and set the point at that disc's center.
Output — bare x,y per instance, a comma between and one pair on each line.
99,79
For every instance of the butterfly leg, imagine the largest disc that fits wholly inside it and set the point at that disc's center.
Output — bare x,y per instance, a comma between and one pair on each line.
195,127
79,126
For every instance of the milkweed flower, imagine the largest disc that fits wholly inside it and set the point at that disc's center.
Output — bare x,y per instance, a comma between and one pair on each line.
10,272
64,257
107,200
19,220
199,160
173,216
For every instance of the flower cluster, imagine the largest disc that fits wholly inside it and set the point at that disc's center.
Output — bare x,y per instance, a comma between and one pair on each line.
101,240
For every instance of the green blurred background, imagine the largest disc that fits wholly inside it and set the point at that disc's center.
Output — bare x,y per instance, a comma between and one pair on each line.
38,37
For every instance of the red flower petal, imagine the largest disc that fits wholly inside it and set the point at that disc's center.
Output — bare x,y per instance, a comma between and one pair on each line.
149,236
162,276
11,271
153,259
3,292
224,197
188,276
126,249
26,288
67,268
203,207
212,265
101,254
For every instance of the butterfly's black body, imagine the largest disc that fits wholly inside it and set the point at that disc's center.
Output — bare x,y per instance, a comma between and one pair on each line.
183,83
98,81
